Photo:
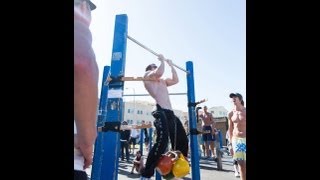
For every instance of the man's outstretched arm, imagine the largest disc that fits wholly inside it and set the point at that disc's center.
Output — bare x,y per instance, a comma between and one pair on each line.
174,80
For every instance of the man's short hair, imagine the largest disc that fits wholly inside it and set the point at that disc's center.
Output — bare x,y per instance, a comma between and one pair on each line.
237,95
92,6
150,66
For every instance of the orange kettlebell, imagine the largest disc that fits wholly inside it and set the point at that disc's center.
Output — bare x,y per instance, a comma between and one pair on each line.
165,163
181,167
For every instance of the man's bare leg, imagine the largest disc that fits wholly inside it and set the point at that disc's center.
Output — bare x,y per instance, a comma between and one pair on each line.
212,148
242,169
207,149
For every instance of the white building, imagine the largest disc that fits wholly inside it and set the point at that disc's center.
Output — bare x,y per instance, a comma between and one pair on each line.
218,111
136,111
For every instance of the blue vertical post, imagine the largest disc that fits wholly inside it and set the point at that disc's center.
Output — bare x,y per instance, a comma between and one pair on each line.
111,152
220,138
141,140
158,175
100,143
192,123
150,139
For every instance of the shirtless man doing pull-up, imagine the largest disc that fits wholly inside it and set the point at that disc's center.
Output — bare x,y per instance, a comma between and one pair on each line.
166,123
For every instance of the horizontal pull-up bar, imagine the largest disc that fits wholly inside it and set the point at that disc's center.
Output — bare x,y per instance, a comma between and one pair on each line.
149,94
148,49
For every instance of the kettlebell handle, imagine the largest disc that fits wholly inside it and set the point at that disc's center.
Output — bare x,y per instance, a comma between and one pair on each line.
175,155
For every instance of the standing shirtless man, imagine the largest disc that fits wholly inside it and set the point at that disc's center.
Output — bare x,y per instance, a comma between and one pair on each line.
237,132
208,126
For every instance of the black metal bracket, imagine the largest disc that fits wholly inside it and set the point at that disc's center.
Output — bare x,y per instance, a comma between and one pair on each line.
116,79
110,126
194,104
194,132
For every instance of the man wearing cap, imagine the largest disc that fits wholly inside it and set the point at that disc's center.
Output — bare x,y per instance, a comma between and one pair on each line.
237,132
85,89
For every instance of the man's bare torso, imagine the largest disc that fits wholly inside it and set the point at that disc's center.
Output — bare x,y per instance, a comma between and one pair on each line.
158,90
207,119
239,123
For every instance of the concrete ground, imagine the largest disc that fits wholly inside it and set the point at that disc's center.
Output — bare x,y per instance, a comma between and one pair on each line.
208,170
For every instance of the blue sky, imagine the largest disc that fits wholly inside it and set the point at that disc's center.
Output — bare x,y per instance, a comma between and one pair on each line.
210,33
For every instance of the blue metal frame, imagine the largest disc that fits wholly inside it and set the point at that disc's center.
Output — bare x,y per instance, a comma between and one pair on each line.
107,146
192,124
150,138
107,157
100,143
220,139
141,140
